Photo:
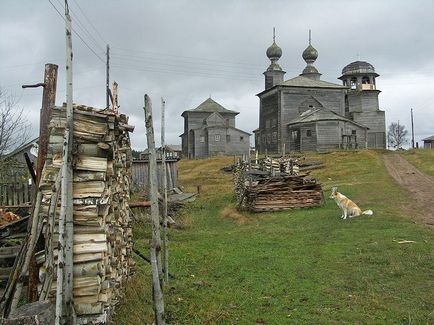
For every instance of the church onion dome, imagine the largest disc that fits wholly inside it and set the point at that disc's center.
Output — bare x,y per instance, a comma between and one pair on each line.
310,54
358,67
274,52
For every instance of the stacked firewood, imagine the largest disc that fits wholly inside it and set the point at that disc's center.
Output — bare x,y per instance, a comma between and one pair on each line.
283,192
102,251
275,184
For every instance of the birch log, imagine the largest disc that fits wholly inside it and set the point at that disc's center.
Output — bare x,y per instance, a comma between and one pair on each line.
64,296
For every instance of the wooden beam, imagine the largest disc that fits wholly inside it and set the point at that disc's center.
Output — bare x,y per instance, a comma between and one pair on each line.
156,239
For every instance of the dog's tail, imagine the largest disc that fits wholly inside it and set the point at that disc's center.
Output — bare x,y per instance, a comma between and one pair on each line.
368,212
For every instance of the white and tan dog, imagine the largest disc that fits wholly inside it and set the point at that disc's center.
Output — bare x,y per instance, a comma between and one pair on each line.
348,207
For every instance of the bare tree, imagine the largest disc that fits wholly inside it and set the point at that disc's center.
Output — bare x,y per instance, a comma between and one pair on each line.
14,128
397,135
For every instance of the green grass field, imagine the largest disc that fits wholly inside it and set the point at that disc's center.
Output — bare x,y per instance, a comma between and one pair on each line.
422,158
295,267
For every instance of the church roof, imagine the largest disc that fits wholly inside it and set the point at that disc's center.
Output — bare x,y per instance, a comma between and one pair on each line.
301,81
210,106
321,114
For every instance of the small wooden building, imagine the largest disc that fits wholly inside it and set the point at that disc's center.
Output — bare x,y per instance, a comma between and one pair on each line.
320,129
428,143
140,170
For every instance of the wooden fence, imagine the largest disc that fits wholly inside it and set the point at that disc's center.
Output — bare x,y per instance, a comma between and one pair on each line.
16,193
140,173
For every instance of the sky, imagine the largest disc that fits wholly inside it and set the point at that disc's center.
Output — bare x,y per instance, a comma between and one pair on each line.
187,51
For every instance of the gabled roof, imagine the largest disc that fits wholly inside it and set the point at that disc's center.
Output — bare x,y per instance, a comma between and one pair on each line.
321,114
23,147
301,81
210,105
431,138
226,127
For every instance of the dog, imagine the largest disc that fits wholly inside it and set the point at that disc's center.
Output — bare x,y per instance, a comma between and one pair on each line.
348,207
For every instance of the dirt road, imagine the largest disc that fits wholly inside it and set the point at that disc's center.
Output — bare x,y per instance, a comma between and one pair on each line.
419,186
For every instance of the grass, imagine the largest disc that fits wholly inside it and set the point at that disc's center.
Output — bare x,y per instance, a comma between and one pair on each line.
294,267
422,158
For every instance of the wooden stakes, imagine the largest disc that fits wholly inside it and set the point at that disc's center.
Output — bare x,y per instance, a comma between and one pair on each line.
164,169
157,277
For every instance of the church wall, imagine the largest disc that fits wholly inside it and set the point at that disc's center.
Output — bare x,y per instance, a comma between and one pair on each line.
268,122
328,135
363,101
238,142
308,142
333,99
220,141
200,143
377,126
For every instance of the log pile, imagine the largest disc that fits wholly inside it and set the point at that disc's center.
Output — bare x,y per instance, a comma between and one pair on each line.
283,192
102,251
275,184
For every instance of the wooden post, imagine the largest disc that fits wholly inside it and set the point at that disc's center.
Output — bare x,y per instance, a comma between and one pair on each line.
164,169
107,81
412,130
48,101
115,103
156,240
64,293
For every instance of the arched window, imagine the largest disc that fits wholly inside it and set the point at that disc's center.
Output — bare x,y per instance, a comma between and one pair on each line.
365,80
353,83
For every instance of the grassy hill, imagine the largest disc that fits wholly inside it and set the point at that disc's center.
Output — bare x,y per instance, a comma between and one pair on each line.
295,267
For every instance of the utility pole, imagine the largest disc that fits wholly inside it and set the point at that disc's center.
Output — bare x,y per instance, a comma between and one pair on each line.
412,130
64,284
107,82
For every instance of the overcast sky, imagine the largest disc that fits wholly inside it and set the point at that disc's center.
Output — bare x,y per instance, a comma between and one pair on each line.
187,51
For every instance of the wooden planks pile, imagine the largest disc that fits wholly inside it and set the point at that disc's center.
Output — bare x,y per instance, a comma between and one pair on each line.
102,226
282,193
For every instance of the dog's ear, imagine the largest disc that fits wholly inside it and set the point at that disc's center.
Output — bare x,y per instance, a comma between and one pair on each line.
334,190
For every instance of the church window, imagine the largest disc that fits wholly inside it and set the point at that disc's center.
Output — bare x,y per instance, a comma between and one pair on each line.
267,124
274,137
273,122
365,80
353,132
268,138
217,137
241,138
228,138
202,139
347,104
308,133
353,83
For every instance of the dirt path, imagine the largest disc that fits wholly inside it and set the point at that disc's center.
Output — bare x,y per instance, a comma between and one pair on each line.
419,185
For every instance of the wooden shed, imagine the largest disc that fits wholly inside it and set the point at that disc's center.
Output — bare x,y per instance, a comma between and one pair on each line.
428,143
140,171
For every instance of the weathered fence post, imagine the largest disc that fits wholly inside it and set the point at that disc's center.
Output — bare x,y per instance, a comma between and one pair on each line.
164,170
64,294
157,278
